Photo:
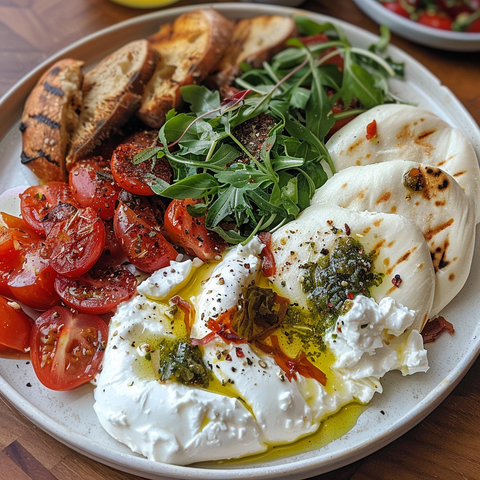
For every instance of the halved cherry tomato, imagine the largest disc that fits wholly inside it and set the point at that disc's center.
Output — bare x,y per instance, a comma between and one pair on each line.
15,326
98,291
139,232
8,264
67,349
135,177
37,201
474,26
396,7
92,185
191,233
76,242
15,238
32,283
431,18
113,253
15,234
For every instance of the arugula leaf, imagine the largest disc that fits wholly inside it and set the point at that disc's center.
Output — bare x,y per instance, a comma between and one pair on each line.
194,186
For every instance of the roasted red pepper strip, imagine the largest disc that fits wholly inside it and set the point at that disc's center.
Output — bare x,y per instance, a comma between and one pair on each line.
268,260
371,130
291,366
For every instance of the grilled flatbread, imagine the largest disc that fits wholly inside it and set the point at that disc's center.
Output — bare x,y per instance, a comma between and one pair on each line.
49,116
408,133
427,196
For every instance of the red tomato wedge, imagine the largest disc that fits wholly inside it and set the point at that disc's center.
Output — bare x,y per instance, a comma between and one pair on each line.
92,185
98,291
32,282
434,19
136,178
139,232
15,326
190,233
76,242
37,201
67,349
396,7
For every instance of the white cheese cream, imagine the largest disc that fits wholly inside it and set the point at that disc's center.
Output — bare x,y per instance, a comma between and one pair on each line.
173,423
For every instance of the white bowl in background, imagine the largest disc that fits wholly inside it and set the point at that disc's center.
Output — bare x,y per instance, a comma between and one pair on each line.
418,33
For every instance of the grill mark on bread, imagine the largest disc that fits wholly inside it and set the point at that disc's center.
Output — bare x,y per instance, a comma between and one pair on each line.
53,90
47,121
25,159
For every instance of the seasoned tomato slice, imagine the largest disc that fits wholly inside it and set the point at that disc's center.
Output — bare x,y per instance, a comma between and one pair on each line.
137,178
37,201
190,232
67,349
92,185
139,231
15,238
76,242
98,291
32,282
15,326
15,234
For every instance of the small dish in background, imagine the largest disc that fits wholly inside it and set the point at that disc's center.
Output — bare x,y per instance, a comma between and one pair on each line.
280,3
418,33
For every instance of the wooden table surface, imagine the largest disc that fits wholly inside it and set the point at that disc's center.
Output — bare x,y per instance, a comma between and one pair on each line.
446,445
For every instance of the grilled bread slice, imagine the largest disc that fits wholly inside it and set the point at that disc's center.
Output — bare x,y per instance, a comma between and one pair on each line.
50,114
112,92
189,49
254,41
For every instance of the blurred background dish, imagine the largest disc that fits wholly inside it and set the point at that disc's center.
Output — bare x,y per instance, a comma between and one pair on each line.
144,3
417,32
282,3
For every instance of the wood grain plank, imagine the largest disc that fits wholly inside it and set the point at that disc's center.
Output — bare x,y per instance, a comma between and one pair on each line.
9,470
27,462
12,425
76,467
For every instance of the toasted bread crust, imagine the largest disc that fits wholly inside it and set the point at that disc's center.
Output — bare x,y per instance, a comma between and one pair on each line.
49,116
112,92
254,41
189,49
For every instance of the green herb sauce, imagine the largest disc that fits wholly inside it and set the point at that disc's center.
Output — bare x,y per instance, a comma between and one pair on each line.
331,284
178,360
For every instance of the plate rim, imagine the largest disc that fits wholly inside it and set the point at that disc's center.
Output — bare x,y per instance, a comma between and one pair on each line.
296,469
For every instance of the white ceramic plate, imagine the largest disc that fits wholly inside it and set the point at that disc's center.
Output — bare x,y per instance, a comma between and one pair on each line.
417,33
69,416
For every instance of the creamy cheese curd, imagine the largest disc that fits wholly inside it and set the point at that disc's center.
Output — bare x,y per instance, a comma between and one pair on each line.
251,405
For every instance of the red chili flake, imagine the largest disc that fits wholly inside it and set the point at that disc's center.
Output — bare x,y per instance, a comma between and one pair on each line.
228,358
239,352
347,229
330,304
396,280
350,296
371,130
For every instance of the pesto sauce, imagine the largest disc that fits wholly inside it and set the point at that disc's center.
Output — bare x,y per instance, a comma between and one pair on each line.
331,284
176,359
